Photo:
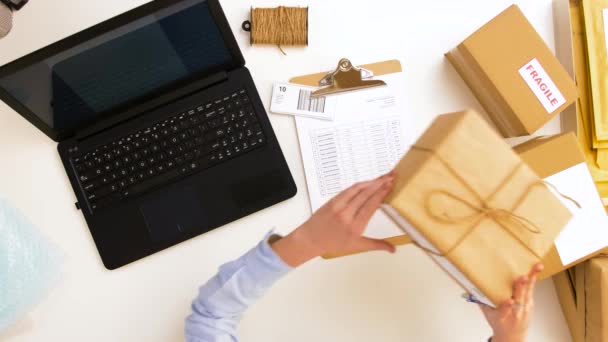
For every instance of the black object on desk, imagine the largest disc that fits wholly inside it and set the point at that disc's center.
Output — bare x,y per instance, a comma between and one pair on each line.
160,127
15,4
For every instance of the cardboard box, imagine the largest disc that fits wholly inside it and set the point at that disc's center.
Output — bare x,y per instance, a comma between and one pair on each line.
565,287
591,299
548,157
513,74
489,220
559,160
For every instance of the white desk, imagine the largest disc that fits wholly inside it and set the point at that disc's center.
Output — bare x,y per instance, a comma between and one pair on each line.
372,297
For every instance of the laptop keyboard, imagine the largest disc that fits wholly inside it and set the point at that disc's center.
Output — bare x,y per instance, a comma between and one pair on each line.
202,137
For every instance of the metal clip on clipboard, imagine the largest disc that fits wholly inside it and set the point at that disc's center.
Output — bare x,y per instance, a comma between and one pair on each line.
346,78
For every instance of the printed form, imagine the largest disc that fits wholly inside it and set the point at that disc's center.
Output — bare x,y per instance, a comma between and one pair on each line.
370,133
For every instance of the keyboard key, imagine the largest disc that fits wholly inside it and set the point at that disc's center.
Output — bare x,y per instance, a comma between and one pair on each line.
104,202
194,132
153,182
210,114
89,187
214,134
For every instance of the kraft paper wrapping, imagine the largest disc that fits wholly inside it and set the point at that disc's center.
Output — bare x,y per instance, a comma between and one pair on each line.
596,300
490,253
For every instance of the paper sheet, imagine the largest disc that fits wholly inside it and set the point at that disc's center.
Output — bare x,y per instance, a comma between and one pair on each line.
441,261
587,232
369,135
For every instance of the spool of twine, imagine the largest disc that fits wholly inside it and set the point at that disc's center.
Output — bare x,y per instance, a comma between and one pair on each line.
281,26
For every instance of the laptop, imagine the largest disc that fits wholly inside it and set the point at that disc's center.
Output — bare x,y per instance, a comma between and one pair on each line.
161,130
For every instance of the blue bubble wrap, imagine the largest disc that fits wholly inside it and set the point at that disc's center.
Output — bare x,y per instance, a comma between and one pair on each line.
29,265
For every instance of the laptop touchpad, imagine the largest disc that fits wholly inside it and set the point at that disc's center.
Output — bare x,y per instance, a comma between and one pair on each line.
170,214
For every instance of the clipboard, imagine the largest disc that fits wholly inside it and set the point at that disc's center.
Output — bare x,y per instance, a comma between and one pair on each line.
378,69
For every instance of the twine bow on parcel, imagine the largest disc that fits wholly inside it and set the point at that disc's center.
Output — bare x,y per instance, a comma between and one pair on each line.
503,217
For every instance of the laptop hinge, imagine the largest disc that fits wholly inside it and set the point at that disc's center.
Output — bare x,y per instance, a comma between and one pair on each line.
153,104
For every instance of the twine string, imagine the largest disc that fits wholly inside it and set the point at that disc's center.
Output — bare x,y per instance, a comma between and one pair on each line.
503,217
281,26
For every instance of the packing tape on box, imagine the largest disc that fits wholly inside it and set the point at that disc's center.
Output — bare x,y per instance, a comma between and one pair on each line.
29,265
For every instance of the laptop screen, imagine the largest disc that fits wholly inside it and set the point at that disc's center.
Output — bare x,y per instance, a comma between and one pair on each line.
139,59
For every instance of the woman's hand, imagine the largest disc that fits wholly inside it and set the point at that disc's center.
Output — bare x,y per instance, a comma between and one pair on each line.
338,226
510,320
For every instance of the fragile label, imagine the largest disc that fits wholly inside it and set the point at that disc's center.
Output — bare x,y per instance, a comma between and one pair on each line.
542,86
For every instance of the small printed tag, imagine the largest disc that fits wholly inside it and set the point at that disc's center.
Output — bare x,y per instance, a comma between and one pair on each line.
297,100
542,86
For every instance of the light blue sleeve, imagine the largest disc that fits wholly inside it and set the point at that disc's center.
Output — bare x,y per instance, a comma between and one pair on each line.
222,301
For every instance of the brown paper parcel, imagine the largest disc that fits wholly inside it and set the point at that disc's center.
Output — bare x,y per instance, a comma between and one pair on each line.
592,298
470,196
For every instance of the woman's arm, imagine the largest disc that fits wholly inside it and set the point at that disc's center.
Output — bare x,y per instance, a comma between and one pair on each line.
222,300
510,321
336,227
